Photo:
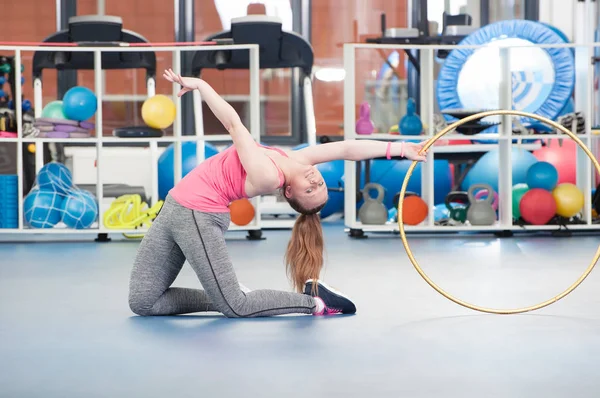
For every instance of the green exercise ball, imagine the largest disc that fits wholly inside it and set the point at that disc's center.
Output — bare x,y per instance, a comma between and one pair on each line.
517,193
54,110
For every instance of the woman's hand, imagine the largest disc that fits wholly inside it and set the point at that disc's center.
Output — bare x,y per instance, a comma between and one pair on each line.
188,83
411,151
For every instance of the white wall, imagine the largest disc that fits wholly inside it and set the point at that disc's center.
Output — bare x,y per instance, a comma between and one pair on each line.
120,165
559,13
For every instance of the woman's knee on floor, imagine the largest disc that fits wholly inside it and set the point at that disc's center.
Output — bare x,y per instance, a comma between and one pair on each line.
140,304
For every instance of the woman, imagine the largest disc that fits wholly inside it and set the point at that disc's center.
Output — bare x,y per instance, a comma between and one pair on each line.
195,217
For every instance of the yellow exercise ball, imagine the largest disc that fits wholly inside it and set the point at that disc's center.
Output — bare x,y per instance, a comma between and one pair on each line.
159,111
569,199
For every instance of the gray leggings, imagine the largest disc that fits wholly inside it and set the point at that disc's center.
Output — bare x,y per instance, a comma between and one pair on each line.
178,234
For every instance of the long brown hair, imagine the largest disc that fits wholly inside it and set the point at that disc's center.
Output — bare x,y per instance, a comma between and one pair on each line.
304,254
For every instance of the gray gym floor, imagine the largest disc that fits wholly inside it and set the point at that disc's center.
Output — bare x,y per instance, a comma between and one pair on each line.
66,329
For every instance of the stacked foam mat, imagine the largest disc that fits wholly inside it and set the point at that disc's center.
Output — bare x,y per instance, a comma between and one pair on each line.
9,203
62,128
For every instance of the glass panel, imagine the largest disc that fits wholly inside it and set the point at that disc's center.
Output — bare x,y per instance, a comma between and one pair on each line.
506,9
335,22
126,90
30,21
215,16
436,9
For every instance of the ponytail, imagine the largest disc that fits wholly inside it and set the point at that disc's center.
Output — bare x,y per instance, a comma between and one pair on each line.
304,254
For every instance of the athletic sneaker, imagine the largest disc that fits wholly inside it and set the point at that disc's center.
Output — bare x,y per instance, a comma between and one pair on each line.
335,302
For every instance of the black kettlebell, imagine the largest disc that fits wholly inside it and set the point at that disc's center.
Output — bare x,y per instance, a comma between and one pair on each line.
406,195
457,213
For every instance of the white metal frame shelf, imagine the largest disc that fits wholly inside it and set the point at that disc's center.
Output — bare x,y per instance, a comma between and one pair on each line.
585,171
99,140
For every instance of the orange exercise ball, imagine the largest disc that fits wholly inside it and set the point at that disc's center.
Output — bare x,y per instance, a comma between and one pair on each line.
241,211
414,210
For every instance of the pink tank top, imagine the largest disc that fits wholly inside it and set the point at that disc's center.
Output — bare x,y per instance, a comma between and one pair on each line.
215,183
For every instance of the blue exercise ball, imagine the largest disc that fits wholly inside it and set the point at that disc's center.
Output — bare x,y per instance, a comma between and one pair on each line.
390,174
332,174
54,176
299,146
43,208
166,163
80,209
79,103
485,170
542,175
26,105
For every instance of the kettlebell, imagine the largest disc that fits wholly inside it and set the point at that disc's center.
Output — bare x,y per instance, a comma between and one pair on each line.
481,211
406,195
364,124
457,214
373,211
410,124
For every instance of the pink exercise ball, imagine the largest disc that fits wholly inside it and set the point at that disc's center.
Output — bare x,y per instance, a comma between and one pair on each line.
563,158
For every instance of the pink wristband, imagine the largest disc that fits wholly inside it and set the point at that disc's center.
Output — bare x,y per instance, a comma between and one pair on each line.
402,149
388,154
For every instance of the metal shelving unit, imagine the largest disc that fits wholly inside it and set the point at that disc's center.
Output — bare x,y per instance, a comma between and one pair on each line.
99,140
505,224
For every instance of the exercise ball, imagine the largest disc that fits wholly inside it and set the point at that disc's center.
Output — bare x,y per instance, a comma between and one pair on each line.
241,211
54,110
485,170
562,157
537,206
414,210
542,175
158,111
517,194
390,174
79,103
25,105
569,199
166,163
332,172
80,209
42,208
441,211
54,176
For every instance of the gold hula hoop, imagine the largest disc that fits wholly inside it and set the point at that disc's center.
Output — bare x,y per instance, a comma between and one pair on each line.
429,143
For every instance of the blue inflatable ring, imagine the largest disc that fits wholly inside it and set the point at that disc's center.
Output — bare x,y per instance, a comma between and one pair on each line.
542,78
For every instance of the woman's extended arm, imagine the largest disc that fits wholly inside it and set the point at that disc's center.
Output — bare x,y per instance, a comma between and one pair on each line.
359,150
261,172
